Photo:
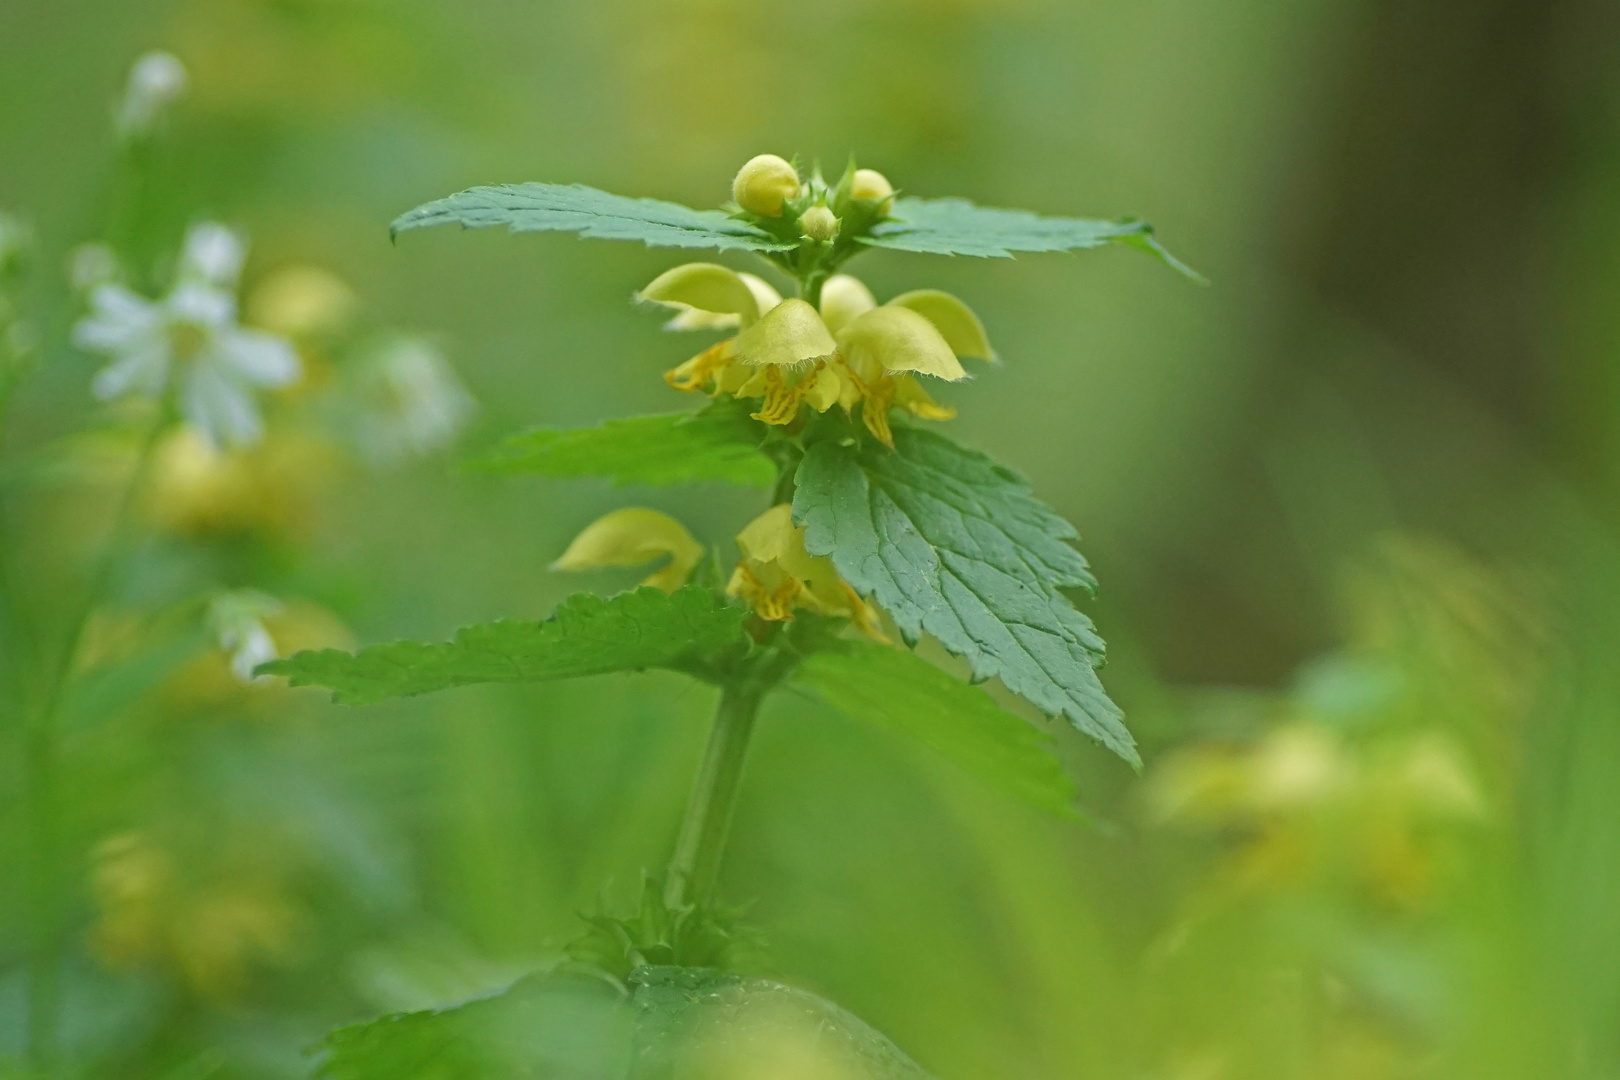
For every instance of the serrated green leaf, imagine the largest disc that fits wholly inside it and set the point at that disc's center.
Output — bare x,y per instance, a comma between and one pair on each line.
588,635
676,448
698,1021
949,543
570,1025
959,227
536,207
905,693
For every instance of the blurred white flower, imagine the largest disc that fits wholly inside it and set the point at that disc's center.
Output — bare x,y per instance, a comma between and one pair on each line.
90,265
237,621
213,254
411,400
157,81
190,340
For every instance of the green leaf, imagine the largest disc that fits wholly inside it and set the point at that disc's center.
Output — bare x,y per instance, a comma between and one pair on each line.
536,207
905,693
668,1021
950,543
714,444
958,227
702,1022
588,635
562,1025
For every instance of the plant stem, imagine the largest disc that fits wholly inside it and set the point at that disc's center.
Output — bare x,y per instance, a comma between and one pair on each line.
696,864
41,752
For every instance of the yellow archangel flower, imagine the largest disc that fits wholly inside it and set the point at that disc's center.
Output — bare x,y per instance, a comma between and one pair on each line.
850,351
777,575
635,536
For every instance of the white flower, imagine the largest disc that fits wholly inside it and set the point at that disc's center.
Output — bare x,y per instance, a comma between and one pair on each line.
157,81
190,340
411,400
213,254
237,620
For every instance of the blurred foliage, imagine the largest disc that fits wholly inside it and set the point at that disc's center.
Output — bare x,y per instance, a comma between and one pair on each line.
1354,507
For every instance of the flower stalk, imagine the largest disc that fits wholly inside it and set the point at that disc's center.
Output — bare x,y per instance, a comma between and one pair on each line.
695,866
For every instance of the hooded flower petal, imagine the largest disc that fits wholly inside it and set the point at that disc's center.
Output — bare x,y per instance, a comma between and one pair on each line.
843,300
894,339
716,295
777,575
955,321
635,536
790,335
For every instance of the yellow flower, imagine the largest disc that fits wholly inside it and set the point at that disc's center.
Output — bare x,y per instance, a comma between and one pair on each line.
764,183
777,575
850,351
302,302
635,536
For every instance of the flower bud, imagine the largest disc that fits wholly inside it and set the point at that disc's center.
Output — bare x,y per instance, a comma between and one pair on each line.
763,184
869,185
843,300
157,81
818,223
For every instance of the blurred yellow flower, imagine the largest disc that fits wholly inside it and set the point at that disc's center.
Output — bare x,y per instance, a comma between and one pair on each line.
303,302
212,934
635,536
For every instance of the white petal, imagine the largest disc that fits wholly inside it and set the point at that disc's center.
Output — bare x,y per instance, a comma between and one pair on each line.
260,358
196,302
143,371
119,319
213,253
222,412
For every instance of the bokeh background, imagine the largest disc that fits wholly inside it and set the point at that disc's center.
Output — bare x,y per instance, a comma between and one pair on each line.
1353,507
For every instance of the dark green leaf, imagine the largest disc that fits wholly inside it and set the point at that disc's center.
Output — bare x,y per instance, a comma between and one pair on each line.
588,635
536,207
907,694
715,444
958,227
702,1022
949,543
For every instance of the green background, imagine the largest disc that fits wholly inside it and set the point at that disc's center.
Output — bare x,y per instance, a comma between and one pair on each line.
1365,483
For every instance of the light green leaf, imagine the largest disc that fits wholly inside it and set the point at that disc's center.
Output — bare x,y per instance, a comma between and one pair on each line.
588,635
702,1022
905,693
949,543
536,207
570,1025
720,444
958,227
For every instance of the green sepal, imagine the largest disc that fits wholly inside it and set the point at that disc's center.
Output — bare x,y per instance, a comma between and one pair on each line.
688,630
951,544
905,693
719,443
598,215
959,227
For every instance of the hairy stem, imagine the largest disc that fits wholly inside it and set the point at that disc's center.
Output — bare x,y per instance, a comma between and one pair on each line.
696,864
